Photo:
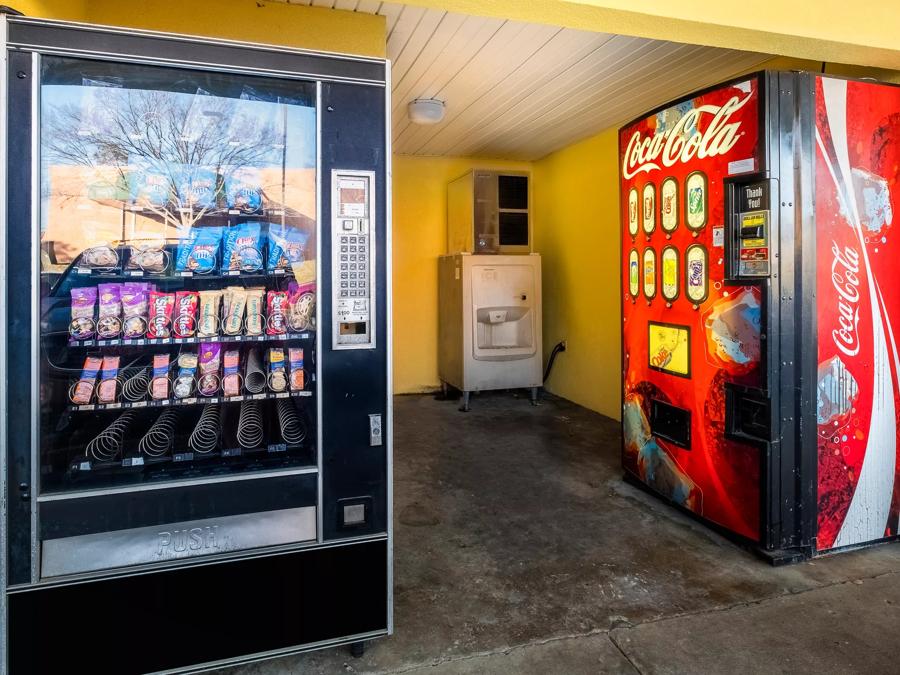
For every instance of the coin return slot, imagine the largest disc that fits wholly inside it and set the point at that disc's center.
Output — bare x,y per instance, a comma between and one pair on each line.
353,328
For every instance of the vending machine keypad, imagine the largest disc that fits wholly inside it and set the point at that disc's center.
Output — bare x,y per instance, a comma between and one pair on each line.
352,257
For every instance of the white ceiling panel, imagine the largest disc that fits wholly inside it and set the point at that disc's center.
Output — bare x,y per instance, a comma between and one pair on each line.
515,90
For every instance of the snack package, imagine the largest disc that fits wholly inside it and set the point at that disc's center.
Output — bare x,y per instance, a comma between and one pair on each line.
243,192
159,384
198,251
295,357
135,298
149,256
208,324
301,305
84,389
231,378
254,321
159,322
184,381
83,301
149,186
286,246
242,247
277,373
185,324
197,187
106,392
101,257
234,312
276,312
210,359
109,325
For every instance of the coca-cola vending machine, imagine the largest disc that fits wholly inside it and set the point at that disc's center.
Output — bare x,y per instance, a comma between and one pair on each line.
759,361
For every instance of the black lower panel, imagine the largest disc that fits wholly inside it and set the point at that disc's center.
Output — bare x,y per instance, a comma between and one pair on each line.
195,615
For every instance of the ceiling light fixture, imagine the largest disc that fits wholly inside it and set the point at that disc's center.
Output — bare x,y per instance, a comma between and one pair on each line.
426,111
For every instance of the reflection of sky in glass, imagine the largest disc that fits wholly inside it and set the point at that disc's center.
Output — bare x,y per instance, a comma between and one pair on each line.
300,151
103,121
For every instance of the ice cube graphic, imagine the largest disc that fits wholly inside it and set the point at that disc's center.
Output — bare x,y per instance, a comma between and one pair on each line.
635,426
732,329
669,118
873,200
659,471
836,391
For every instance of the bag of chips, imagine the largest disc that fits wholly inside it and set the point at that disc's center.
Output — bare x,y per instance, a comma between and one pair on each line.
286,246
199,250
242,247
243,192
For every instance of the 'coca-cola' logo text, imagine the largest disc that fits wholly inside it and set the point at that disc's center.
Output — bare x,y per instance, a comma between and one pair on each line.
673,145
845,279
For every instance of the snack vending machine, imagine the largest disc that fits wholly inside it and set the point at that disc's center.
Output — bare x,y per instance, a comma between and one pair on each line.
759,362
195,348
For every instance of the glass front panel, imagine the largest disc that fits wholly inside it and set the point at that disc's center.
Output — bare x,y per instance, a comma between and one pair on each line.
177,274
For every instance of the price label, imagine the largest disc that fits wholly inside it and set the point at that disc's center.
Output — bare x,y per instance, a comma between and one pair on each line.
136,273
140,404
187,273
114,405
283,394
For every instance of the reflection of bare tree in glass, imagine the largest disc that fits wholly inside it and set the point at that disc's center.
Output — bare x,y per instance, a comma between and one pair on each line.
125,131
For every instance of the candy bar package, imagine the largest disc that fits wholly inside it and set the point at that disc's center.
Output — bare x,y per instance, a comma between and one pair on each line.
83,390
159,323
301,305
231,378
286,246
295,357
159,384
106,391
185,324
254,322
184,381
242,247
276,312
83,301
197,187
234,311
109,324
243,192
210,360
277,372
135,298
208,325
199,250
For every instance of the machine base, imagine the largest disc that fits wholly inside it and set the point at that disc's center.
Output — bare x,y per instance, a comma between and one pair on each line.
202,614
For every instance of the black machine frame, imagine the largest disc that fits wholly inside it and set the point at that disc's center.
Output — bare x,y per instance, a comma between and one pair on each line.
232,606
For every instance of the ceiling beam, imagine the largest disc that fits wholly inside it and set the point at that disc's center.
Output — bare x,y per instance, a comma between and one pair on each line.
861,32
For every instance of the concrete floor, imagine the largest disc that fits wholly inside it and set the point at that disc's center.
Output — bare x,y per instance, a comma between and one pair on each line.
520,550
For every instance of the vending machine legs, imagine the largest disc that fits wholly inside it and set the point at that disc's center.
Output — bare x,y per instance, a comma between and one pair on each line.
195,448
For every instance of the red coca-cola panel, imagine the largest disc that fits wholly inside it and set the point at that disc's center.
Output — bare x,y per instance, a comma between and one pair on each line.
686,333
857,168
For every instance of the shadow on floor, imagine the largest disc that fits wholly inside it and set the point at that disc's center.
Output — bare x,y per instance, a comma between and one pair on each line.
518,548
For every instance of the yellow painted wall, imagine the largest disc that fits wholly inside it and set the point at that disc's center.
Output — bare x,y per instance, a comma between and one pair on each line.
249,20
576,231
420,236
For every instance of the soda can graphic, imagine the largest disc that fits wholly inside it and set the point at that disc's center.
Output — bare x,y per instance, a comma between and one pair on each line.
696,273
696,188
649,215
633,212
634,274
669,204
670,273
649,273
